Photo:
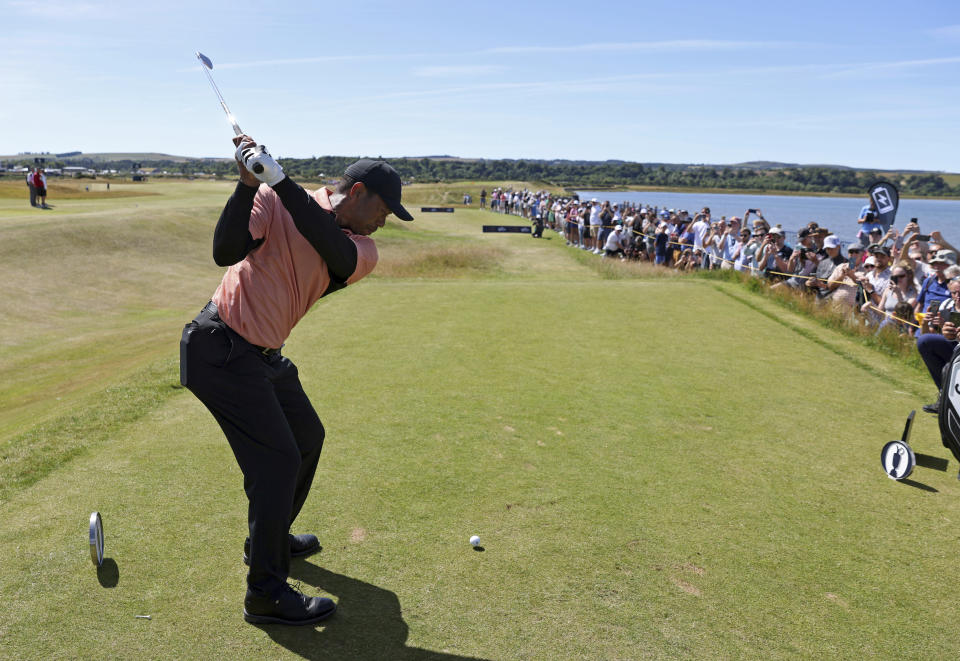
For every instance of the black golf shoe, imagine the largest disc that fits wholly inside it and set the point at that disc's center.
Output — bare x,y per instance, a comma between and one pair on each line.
289,607
932,408
300,547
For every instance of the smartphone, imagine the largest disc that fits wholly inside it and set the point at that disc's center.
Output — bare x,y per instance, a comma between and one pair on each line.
913,220
751,211
954,318
923,237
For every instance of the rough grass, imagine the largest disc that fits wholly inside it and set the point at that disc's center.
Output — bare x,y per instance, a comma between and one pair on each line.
71,189
440,262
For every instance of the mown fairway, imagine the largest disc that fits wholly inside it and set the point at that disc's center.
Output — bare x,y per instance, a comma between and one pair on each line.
658,467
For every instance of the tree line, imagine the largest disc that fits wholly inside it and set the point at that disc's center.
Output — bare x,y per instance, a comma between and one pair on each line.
572,174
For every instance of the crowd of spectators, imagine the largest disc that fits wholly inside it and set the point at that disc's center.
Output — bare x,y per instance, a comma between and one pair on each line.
905,279
878,276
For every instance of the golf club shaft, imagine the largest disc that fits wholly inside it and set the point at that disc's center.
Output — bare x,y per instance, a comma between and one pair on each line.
257,168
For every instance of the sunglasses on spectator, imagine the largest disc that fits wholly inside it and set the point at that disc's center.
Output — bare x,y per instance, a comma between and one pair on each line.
955,293
868,266
896,278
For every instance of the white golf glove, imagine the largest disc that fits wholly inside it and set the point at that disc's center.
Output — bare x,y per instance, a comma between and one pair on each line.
251,156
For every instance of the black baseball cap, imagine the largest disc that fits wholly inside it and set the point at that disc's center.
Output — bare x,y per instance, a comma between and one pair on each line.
383,180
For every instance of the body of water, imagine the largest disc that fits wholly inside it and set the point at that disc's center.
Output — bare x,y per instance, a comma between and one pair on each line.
793,212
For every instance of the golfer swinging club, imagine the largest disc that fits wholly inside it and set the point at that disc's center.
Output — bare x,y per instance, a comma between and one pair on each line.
285,248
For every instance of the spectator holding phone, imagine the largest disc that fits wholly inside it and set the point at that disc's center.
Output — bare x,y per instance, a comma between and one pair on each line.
934,289
901,289
868,223
774,253
876,281
824,282
803,261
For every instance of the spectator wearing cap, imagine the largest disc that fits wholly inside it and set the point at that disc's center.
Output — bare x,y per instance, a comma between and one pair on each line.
874,236
739,255
826,267
938,339
775,253
803,260
854,255
727,242
661,239
600,215
711,245
700,227
934,289
614,245
875,282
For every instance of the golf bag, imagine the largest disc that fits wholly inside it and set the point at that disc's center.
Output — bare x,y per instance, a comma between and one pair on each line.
949,415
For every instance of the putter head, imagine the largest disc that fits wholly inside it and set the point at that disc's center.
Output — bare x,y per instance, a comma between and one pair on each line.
205,60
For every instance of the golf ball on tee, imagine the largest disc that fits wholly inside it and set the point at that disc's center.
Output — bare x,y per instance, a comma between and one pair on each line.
475,540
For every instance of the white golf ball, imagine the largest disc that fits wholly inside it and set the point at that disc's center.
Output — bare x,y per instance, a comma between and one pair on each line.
475,540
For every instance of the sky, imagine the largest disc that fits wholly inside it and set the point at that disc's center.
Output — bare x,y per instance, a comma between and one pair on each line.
864,84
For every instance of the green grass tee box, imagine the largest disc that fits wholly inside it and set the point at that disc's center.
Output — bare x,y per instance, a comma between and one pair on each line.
656,467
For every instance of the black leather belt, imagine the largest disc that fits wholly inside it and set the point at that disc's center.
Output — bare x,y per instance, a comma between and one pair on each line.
211,309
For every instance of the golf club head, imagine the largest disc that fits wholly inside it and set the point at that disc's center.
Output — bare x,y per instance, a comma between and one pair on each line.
205,60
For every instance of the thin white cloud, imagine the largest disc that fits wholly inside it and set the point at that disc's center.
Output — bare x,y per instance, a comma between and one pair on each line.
454,70
56,9
323,59
949,31
866,67
660,46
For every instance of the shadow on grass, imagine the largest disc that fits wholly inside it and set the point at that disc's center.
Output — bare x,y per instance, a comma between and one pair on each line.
927,461
368,623
108,573
918,485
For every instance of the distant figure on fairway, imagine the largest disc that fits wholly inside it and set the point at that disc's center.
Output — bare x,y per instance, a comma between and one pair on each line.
483,199
285,248
33,189
40,183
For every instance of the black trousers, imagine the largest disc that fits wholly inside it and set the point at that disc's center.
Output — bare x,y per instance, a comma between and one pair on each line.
273,430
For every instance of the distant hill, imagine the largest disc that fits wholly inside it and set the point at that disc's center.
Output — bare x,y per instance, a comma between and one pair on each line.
774,176
81,158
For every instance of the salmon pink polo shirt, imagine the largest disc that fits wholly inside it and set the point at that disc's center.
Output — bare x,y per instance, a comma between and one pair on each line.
263,296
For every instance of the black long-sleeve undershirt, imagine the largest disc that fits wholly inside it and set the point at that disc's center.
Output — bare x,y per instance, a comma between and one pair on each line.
232,240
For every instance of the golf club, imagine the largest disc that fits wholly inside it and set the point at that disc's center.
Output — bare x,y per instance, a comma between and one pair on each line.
207,65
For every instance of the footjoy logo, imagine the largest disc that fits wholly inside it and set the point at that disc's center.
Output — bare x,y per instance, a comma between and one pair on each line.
882,198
